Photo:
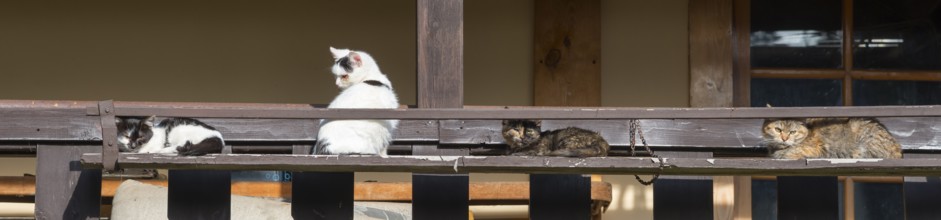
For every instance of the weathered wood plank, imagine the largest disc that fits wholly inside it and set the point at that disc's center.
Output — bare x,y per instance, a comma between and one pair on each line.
512,164
567,52
64,190
440,45
48,124
916,133
542,112
922,193
710,53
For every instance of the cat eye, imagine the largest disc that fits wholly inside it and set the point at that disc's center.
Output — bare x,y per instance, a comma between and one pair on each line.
792,132
777,129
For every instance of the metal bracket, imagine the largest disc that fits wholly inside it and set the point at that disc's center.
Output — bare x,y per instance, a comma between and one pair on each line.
109,135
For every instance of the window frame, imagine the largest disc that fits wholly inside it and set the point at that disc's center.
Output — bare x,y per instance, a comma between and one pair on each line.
743,71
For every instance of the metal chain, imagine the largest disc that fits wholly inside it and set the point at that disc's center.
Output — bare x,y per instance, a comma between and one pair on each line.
635,131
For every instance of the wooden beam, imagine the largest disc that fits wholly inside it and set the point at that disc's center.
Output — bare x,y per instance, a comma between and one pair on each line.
64,190
711,53
567,53
481,193
742,35
513,164
440,53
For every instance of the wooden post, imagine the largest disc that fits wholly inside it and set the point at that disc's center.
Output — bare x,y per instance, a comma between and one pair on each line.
321,195
922,194
559,196
440,85
199,194
567,53
808,197
567,72
683,197
63,189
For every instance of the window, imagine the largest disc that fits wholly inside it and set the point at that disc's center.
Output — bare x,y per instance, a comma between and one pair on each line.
838,53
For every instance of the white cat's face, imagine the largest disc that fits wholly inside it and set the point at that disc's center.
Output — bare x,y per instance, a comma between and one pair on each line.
350,67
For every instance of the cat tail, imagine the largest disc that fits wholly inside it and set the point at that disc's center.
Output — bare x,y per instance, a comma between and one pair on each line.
207,146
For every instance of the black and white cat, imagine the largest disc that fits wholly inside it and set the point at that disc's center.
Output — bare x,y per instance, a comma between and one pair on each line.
363,86
185,136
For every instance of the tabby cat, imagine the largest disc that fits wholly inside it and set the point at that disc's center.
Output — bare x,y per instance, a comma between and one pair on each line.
829,138
526,138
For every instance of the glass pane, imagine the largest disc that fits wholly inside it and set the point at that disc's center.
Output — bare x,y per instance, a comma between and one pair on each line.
878,201
872,92
796,33
796,92
901,34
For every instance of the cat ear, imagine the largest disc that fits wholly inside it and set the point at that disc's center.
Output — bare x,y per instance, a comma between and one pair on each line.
538,123
149,122
337,53
357,59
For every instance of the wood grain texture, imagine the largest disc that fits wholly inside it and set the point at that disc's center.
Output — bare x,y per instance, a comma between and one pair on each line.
741,27
513,164
567,53
64,190
440,53
915,133
710,53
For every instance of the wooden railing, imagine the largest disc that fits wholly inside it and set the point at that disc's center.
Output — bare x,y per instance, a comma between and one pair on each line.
67,136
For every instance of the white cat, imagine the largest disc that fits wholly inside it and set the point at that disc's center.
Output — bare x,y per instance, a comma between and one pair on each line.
363,86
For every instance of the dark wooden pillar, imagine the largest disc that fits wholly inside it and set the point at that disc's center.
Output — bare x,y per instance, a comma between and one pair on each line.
808,197
922,194
683,197
63,189
321,195
440,85
199,194
559,196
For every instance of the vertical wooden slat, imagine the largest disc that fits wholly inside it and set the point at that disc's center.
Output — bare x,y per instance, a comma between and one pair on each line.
321,195
683,197
440,53
567,72
559,196
567,53
440,85
808,197
849,199
848,52
710,53
63,189
922,194
199,194
742,68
